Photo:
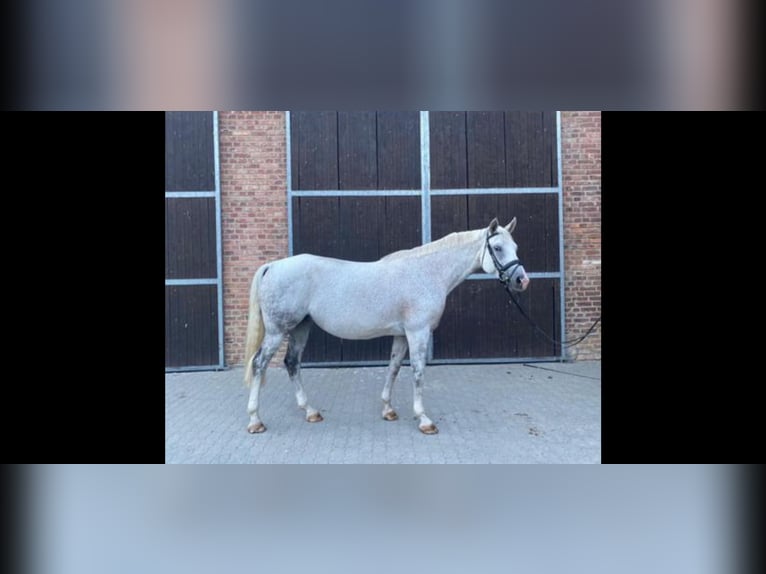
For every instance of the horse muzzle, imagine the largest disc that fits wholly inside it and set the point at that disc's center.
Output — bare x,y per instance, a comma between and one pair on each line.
519,279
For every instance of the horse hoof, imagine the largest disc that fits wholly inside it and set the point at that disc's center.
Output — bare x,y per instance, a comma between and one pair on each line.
315,418
259,427
390,416
429,429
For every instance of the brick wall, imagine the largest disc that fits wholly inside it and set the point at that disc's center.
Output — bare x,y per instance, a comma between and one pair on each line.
253,211
254,214
581,168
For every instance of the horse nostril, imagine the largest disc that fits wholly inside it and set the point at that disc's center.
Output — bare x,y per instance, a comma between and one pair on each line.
518,280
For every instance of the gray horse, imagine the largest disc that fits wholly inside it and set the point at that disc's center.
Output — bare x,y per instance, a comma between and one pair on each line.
402,294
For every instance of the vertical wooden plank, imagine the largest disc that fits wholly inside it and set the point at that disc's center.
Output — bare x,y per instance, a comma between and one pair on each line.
317,150
295,149
448,213
357,150
398,150
550,167
361,228
319,227
527,339
551,232
485,149
559,336
190,238
482,209
209,336
170,153
531,232
449,168
189,161
537,151
531,149
168,322
212,239
168,254
542,306
191,325
196,333
298,242
210,322
186,296
516,149
175,233
402,229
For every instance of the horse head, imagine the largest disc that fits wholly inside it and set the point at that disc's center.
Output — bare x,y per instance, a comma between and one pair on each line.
499,256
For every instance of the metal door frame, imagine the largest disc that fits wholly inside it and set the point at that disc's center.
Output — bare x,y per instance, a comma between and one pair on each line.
425,192
218,280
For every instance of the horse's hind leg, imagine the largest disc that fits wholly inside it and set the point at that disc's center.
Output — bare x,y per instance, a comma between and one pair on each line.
295,345
418,341
261,360
398,352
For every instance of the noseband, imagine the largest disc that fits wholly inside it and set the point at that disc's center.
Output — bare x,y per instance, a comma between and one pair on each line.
504,276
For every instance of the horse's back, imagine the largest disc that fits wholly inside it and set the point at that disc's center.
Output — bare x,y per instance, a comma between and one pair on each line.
306,266
350,299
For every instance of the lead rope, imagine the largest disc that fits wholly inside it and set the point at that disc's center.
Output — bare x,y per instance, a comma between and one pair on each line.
571,343
505,278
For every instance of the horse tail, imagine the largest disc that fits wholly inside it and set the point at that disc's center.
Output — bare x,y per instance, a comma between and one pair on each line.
255,328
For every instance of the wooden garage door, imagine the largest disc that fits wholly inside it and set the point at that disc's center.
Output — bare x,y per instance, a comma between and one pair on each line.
193,338
364,184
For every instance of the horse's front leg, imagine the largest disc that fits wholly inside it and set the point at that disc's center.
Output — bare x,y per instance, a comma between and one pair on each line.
398,352
418,342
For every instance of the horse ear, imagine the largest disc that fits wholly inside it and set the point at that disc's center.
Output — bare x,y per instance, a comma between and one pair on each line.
493,225
511,226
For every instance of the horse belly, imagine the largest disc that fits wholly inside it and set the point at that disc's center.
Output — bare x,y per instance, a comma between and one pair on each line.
356,322
353,300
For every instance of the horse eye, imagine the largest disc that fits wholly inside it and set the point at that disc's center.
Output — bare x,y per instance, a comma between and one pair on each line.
498,249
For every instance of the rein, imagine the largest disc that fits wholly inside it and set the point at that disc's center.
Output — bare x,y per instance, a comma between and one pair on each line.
505,279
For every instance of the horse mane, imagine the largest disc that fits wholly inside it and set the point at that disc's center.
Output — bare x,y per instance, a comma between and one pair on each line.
455,239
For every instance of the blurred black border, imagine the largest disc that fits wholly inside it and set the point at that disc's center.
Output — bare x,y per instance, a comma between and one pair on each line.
86,273
11,46
677,221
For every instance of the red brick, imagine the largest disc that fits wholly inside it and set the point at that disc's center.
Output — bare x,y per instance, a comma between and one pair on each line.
581,170
250,142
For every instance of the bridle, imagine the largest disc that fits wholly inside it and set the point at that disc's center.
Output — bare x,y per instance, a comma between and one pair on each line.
504,276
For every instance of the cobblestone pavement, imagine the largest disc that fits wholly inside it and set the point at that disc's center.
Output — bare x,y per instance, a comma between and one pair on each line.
518,413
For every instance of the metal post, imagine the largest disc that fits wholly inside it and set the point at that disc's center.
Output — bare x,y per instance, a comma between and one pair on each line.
562,277
218,238
288,153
